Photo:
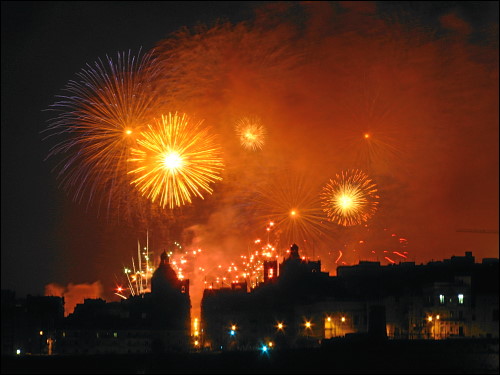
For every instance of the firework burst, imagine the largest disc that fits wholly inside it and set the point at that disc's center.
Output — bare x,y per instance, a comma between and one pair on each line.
99,120
292,204
175,160
251,133
350,199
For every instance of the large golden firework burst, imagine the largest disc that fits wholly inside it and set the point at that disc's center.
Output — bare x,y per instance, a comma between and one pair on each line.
350,199
175,160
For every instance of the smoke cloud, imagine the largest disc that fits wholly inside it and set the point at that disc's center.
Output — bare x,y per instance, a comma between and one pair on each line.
74,294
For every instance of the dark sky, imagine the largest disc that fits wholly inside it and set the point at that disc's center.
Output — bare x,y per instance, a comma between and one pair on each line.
47,238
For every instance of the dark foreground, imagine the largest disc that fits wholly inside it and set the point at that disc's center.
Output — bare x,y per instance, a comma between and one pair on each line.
390,357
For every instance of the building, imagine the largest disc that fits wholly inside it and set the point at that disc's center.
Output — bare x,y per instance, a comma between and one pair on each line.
304,306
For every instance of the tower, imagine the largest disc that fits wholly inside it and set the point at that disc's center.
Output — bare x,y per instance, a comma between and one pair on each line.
171,307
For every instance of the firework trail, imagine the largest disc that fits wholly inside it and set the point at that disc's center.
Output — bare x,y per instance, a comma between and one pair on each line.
99,120
350,199
138,279
175,160
209,65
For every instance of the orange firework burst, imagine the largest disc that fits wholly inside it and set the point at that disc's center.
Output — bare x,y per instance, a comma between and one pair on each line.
292,204
350,199
175,160
251,133
99,121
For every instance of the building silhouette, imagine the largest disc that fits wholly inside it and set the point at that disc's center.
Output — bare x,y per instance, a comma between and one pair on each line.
152,322
304,307
297,306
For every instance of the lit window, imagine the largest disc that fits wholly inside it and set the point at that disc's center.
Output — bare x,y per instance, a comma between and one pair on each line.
461,299
441,299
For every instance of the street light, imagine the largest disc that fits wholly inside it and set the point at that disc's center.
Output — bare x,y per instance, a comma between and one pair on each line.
431,319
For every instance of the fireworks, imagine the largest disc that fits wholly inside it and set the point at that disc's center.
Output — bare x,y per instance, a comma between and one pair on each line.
208,65
100,119
138,279
175,160
251,133
292,204
350,199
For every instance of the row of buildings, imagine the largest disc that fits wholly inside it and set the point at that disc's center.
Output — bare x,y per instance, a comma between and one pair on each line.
297,305
455,298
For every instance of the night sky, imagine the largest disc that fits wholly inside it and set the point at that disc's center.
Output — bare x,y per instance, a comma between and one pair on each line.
427,93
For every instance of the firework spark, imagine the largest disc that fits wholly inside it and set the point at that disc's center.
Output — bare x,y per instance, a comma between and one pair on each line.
175,160
251,133
99,120
350,199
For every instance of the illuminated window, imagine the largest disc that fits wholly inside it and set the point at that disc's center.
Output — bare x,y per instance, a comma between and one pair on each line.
441,299
328,328
461,299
